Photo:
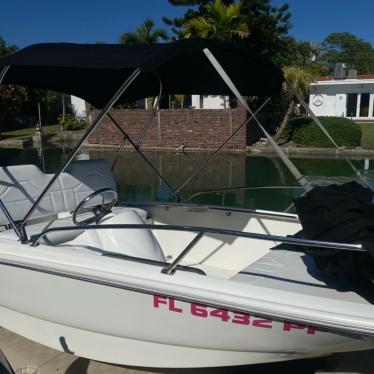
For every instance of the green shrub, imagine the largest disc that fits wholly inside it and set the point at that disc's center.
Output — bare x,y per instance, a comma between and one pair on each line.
303,131
71,123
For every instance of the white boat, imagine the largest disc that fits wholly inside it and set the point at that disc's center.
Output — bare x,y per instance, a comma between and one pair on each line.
159,284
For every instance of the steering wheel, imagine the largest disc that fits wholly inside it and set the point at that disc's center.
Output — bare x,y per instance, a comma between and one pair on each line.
99,203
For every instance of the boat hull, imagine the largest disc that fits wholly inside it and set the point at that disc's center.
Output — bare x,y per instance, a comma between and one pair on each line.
140,328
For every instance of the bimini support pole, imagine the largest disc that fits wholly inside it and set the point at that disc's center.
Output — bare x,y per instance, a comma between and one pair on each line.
205,163
156,102
89,131
3,73
145,129
2,205
324,130
142,155
290,165
118,154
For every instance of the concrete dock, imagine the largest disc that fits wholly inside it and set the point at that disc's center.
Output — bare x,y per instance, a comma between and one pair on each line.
23,353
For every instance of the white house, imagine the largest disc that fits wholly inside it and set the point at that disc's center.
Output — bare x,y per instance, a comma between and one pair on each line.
194,102
210,102
78,105
347,97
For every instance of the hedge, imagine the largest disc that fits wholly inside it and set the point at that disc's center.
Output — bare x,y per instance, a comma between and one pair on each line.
303,131
71,123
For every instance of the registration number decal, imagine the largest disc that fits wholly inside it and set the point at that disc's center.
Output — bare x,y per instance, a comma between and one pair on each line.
228,316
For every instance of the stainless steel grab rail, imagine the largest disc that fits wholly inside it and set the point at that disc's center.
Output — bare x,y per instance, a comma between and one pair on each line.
169,269
227,189
205,230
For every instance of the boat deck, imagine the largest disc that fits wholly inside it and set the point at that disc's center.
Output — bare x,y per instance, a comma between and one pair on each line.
297,272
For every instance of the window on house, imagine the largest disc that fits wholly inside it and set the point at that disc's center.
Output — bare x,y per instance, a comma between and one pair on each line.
351,105
364,105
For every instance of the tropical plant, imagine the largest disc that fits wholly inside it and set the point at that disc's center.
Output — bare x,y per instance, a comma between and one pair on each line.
219,22
180,100
145,33
268,25
71,123
297,79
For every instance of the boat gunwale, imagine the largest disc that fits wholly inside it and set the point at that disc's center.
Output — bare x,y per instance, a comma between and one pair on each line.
336,324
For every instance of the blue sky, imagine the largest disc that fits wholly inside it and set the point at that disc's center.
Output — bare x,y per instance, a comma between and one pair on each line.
23,22
315,19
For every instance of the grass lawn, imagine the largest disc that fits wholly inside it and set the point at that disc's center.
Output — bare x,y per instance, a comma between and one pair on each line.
52,129
367,135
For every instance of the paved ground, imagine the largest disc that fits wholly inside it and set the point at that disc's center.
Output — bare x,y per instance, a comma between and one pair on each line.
22,353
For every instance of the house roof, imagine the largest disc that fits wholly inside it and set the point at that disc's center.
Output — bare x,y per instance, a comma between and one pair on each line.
331,78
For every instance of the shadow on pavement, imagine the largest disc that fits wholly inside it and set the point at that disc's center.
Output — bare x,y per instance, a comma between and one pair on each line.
79,366
351,362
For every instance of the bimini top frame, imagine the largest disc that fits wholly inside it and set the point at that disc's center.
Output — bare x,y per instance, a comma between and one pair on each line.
92,72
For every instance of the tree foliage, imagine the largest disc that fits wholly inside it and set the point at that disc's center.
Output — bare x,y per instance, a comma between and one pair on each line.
11,96
298,79
21,102
145,33
223,22
6,49
266,25
307,55
11,100
269,27
350,49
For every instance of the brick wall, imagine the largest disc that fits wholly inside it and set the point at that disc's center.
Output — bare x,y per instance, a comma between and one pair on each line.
172,128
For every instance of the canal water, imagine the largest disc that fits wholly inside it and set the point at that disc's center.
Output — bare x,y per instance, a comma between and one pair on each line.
137,182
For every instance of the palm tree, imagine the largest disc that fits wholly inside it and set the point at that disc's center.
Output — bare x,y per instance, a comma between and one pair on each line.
220,22
180,100
299,78
145,33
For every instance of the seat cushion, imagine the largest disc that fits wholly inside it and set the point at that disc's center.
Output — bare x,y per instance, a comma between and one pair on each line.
54,238
21,185
60,237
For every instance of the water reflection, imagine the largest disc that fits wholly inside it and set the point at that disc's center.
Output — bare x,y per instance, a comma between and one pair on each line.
137,182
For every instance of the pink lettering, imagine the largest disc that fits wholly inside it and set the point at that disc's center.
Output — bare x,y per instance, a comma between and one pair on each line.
199,310
157,300
264,323
288,326
172,306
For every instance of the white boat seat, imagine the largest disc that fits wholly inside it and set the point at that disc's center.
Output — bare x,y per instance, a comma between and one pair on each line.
37,228
61,237
139,243
20,186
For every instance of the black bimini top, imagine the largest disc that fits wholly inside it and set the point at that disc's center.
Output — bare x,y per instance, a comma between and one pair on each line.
94,72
